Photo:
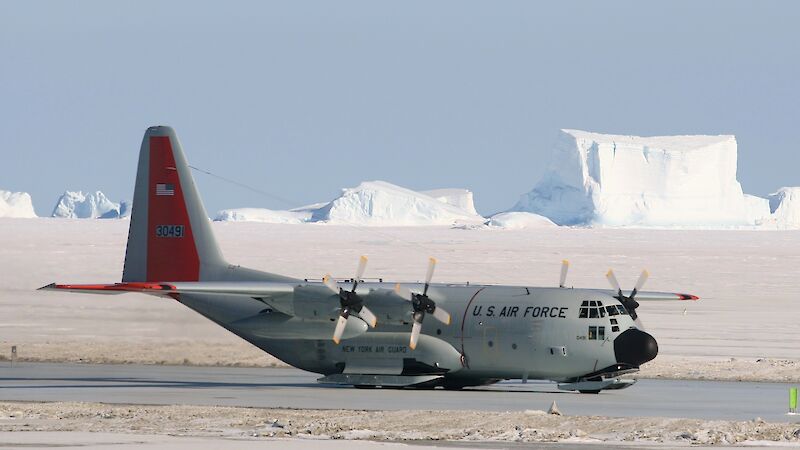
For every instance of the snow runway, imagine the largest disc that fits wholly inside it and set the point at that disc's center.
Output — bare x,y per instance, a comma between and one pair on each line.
295,389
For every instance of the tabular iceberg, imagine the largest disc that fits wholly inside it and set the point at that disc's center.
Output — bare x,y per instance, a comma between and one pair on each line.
16,204
668,181
77,205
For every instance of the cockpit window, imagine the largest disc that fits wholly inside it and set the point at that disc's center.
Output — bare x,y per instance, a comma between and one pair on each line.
594,309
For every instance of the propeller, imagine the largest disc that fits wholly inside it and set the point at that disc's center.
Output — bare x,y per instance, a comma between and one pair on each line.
564,269
628,301
421,304
350,302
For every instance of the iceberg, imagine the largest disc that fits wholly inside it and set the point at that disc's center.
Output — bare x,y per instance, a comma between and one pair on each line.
16,204
666,181
518,220
374,203
785,208
77,205
460,198
382,203
261,215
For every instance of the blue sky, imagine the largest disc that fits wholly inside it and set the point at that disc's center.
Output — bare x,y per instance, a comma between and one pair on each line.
301,99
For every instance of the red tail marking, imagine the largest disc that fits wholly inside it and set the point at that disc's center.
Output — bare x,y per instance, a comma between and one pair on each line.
168,258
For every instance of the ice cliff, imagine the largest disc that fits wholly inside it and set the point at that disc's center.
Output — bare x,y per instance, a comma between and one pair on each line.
668,181
16,204
77,205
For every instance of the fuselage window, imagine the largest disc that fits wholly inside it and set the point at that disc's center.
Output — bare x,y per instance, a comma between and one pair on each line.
592,333
601,333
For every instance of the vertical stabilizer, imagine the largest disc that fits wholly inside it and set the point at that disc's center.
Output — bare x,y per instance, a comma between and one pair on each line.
170,237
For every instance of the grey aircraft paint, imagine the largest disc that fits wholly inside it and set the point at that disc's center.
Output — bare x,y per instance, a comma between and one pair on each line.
581,337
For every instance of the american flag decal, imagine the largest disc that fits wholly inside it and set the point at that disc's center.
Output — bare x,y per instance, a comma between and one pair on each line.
165,189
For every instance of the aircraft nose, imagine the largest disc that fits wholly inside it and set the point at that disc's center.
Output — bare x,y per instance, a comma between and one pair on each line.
635,347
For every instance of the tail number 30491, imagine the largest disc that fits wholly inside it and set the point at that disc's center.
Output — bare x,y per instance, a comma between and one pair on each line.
170,231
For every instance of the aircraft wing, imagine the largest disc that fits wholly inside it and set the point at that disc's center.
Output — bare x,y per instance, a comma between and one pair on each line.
288,298
659,296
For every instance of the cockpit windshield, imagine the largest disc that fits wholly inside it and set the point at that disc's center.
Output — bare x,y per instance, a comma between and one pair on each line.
593,309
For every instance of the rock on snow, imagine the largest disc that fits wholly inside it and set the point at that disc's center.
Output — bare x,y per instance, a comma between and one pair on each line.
16,204
667,181
77,205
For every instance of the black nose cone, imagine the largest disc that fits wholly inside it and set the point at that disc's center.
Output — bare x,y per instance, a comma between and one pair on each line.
635,347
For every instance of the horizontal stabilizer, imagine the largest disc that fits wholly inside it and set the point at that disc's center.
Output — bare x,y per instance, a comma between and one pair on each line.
248,289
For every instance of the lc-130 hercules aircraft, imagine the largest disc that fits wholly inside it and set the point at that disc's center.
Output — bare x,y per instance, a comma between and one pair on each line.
371,334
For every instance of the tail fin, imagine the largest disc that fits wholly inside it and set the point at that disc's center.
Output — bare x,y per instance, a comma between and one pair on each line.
170,237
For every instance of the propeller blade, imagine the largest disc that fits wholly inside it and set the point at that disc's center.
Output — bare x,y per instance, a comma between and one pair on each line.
613,280
339,331
639,323
564,269
402,291
431,266
441,315
415,330
642,280
368,316
330,283
362,266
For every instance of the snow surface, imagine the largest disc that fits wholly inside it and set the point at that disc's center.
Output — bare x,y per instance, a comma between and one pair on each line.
668,181
77,205
16,204
733,272
516,220
374,203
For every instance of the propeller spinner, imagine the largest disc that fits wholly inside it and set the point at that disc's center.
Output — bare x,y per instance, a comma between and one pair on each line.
421,304
350,302
628,301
